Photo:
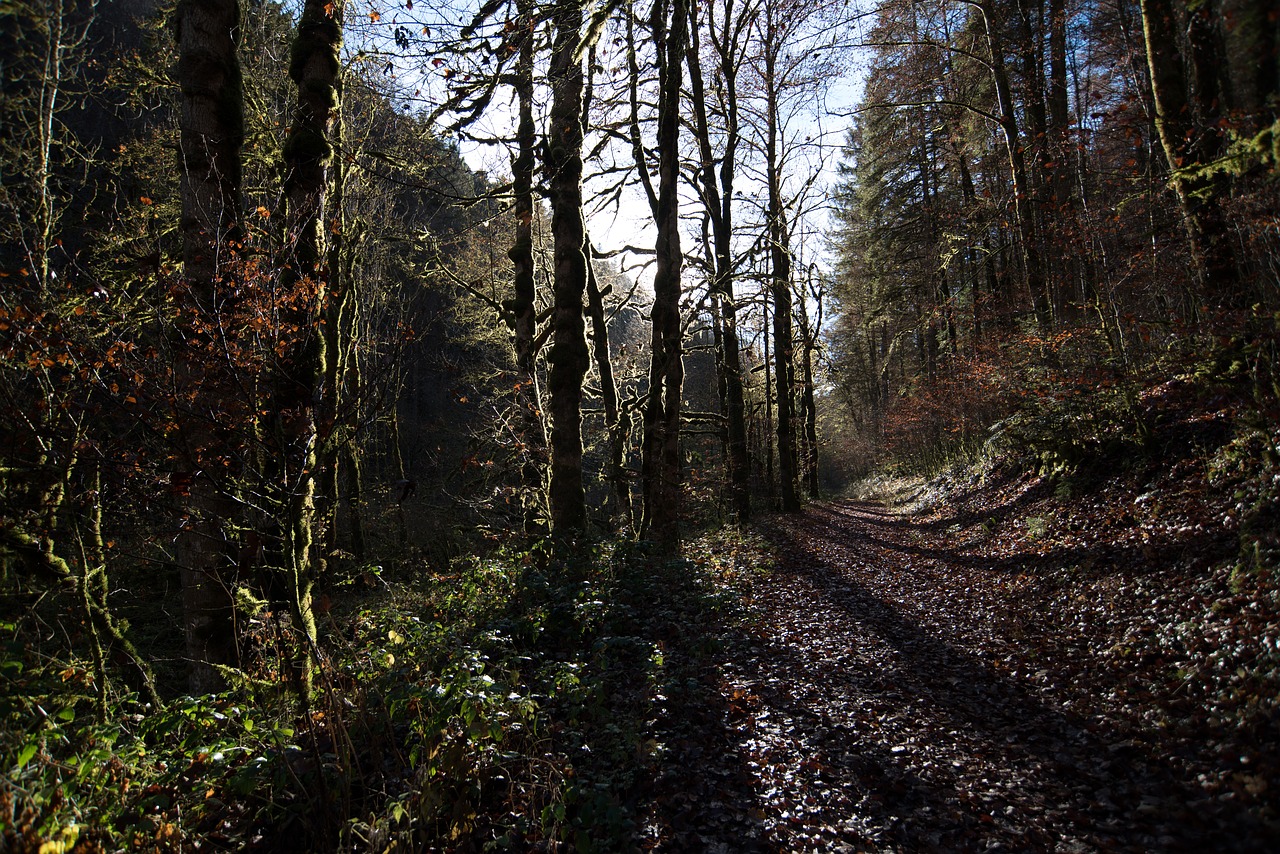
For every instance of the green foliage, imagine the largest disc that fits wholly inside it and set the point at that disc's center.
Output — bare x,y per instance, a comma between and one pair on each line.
1071,433
1248,469
1037,527
143,776
522,706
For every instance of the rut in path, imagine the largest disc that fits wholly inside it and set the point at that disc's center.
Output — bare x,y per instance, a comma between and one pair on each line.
878,703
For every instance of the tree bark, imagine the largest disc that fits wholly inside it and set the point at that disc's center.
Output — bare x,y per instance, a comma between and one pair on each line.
809,335
307,442
1028,234
524,305
569,356
780,279
613,423
718,201
770,483
661,462
1253,51
1186,120
212,132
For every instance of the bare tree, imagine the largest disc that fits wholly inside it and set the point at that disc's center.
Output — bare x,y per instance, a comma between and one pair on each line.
728,36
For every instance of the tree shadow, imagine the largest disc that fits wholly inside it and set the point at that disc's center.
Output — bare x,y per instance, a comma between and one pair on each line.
1041,773
640,715
1000,482
886,527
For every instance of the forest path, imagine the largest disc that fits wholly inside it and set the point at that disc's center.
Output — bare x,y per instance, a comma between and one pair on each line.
889,696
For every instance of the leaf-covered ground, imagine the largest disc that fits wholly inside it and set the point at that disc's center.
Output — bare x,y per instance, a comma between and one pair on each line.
990,662
1005,671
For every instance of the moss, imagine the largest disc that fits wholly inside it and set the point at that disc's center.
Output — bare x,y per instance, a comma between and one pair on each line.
317,33
305,145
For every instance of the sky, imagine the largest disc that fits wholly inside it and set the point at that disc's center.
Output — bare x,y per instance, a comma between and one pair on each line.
403,33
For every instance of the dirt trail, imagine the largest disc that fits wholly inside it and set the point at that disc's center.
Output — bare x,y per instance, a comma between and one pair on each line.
889,697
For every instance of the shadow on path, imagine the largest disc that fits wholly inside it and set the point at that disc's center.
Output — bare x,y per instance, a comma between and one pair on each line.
890,731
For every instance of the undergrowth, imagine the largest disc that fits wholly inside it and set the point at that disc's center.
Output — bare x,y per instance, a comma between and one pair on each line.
1081,430
501,704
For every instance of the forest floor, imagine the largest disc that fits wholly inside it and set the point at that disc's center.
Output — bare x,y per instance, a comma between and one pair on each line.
993,669
990,661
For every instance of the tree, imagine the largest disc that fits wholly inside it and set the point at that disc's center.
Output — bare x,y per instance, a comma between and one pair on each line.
792,56
1188,110
728,39
615,426
44,47
308,282
569,356
59,428
662,462
810,335
212,127
523,306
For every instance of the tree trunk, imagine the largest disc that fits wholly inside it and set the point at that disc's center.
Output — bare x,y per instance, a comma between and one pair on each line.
608,391
718,201
308,154
353,486
770,483
340,381
662,463
212,131
780,266
1188,142
809,335
569,356
1028,235
1253,51
783,347
524,305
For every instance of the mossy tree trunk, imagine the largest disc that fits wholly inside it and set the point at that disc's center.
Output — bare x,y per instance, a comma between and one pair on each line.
305,402
523,306
1187,95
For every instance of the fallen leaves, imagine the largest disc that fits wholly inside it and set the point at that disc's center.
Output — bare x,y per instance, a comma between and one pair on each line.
952,680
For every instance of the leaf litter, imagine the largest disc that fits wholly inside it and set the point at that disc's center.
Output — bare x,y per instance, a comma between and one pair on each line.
995,669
